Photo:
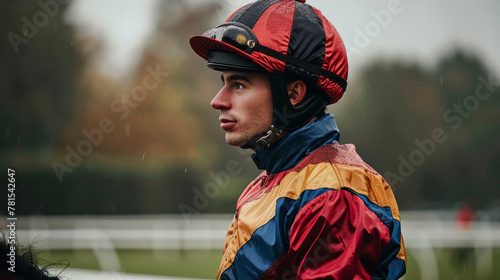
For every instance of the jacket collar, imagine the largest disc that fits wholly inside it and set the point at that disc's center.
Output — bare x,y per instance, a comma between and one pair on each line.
291,149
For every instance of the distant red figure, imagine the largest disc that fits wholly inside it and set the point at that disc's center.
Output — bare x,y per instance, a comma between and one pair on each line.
464,216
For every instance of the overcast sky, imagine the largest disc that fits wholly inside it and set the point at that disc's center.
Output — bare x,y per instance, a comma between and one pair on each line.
409,30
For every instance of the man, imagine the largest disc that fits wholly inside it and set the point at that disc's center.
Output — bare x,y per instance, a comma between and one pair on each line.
317,211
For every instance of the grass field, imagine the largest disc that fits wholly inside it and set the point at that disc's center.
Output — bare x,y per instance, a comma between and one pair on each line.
453,264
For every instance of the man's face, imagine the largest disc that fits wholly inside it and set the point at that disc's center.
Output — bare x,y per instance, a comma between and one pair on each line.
245,105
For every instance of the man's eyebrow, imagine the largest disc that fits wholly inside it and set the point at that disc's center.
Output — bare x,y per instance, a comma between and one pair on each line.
235,77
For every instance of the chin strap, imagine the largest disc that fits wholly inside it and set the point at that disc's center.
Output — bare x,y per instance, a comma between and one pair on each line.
263,140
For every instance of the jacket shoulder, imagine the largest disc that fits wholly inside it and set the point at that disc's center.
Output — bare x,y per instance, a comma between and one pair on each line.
336,154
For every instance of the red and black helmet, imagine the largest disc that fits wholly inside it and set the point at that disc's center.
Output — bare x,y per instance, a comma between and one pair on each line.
290,40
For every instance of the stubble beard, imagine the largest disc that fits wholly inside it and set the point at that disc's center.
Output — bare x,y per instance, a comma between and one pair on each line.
237,140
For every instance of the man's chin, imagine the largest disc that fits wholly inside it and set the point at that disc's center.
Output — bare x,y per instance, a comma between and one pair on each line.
235,141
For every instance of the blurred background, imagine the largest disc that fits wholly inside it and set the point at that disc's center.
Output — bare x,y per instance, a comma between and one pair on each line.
120,164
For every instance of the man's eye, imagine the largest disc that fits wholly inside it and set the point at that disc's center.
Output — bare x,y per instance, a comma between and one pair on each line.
239,86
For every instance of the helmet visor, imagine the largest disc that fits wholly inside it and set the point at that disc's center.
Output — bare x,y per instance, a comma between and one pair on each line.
222,61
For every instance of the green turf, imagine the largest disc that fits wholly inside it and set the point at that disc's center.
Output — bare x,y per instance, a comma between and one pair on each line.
198,264
452,264
457,264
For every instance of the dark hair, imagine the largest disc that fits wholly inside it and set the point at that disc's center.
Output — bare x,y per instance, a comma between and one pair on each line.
26,262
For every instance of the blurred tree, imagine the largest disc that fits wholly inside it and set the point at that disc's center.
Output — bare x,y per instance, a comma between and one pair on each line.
37,78
472,119
395,108
38,83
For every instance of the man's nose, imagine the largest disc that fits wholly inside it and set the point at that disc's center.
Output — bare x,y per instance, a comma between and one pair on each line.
221,101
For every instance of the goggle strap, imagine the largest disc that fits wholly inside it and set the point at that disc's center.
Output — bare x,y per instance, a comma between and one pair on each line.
297,62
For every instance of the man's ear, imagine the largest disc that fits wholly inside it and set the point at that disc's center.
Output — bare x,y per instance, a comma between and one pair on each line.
297,92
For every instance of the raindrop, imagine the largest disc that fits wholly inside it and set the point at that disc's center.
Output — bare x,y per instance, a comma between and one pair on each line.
441,79
127,129
41,205
185,170
143,155
71,43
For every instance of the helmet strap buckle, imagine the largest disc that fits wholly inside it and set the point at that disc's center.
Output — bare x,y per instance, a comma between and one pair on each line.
270,136
264,139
